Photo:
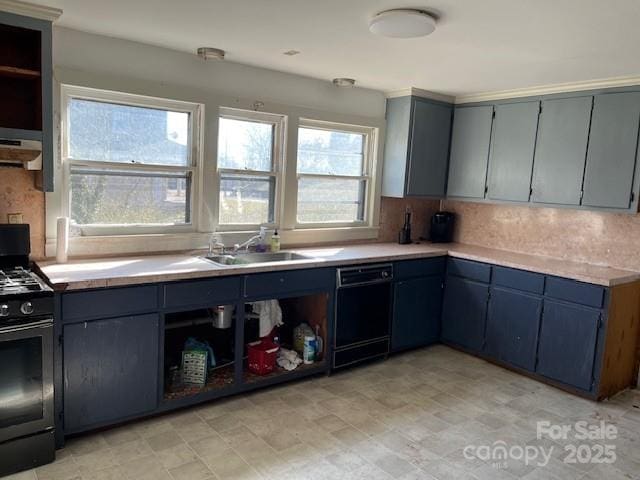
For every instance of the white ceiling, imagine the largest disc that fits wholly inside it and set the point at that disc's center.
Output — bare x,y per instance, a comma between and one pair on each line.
478,46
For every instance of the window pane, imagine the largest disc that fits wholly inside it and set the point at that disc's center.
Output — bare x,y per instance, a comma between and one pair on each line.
120,133
124,198
246,199
330,152
245,145
330,200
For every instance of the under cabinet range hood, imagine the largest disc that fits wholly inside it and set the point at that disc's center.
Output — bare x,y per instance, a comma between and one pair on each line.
27,153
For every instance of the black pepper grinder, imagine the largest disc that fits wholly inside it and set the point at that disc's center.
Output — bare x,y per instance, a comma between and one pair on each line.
404,237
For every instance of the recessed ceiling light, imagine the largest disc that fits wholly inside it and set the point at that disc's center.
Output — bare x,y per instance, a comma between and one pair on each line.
210,53
402,23
291,53
344,82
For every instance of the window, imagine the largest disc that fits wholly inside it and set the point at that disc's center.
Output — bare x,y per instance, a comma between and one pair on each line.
333,174
249,165
131,161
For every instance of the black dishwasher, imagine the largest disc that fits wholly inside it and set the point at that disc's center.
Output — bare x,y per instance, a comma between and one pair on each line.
363,314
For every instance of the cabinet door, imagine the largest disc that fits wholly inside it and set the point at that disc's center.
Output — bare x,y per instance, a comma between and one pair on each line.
416,312
512,327
429,151
464,312
110,370
396,146
469,151
512,148
611,158
561,150
568,337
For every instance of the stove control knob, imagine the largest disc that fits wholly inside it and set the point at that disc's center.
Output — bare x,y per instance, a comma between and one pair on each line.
26,308
4,310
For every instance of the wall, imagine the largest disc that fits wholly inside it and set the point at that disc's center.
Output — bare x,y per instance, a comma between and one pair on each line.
18,195
96,61
584,236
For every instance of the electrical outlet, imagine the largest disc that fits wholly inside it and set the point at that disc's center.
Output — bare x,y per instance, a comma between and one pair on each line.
15,218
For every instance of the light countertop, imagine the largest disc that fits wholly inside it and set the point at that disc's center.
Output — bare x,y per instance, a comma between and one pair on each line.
131,270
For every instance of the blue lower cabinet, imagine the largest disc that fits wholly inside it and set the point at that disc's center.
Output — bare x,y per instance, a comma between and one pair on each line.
567,347
513,322
110,370
464,312
416,312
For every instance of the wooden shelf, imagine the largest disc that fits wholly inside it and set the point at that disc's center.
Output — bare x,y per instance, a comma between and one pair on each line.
15,72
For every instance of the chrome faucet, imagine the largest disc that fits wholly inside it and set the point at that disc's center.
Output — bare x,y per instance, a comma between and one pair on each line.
216,247
252,241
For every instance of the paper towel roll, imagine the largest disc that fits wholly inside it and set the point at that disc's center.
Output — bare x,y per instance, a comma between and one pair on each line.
62,240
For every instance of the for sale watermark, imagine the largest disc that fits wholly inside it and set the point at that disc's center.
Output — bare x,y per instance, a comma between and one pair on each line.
582,442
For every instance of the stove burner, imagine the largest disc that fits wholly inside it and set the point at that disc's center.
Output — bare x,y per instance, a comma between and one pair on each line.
18,280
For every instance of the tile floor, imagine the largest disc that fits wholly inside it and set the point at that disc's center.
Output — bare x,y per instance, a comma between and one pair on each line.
410,417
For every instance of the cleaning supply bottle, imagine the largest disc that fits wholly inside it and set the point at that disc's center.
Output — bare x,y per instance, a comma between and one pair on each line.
261,246
275,241
319,344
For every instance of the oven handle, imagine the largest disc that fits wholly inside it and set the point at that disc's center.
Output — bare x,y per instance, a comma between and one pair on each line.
26,326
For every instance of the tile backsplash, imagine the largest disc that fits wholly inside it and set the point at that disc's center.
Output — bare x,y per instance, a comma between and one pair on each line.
594,237
392,217
611,239
19,195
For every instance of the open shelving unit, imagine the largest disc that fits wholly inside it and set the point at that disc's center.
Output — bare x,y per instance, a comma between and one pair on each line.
310,309
231,373
199,325
20,78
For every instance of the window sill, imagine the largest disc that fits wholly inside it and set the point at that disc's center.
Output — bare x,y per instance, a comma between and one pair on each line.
171,242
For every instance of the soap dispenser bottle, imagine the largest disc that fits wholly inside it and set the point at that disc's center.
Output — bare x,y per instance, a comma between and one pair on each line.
404,236
275,241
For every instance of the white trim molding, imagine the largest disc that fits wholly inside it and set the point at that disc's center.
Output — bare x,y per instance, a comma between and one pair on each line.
586,85
418,92
30,10
549,89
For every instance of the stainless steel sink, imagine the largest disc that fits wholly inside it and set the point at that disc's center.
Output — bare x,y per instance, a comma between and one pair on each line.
250,258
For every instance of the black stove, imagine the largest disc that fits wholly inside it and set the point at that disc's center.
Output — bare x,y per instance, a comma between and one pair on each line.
26,357
23,295
19,280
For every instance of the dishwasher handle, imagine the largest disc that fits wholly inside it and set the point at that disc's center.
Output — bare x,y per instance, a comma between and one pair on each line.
365,275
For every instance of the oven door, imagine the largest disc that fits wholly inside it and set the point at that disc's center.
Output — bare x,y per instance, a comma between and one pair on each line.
26,379
363,313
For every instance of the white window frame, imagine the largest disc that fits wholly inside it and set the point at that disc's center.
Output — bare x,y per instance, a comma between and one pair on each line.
279,123
367,176
194,168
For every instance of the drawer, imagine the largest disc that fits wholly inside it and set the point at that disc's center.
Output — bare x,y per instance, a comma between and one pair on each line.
481,272
264,284
419,268
361,353
108,302
575,292
204,293
518,280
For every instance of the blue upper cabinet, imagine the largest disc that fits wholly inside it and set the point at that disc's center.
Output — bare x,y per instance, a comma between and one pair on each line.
416,148
561,149
26,85
611,157
512,148
470,151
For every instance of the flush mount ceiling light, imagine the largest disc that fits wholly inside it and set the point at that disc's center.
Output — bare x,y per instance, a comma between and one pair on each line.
344,82
402,23
209,53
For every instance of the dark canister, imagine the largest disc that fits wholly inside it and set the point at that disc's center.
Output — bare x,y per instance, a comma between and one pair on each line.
442,227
